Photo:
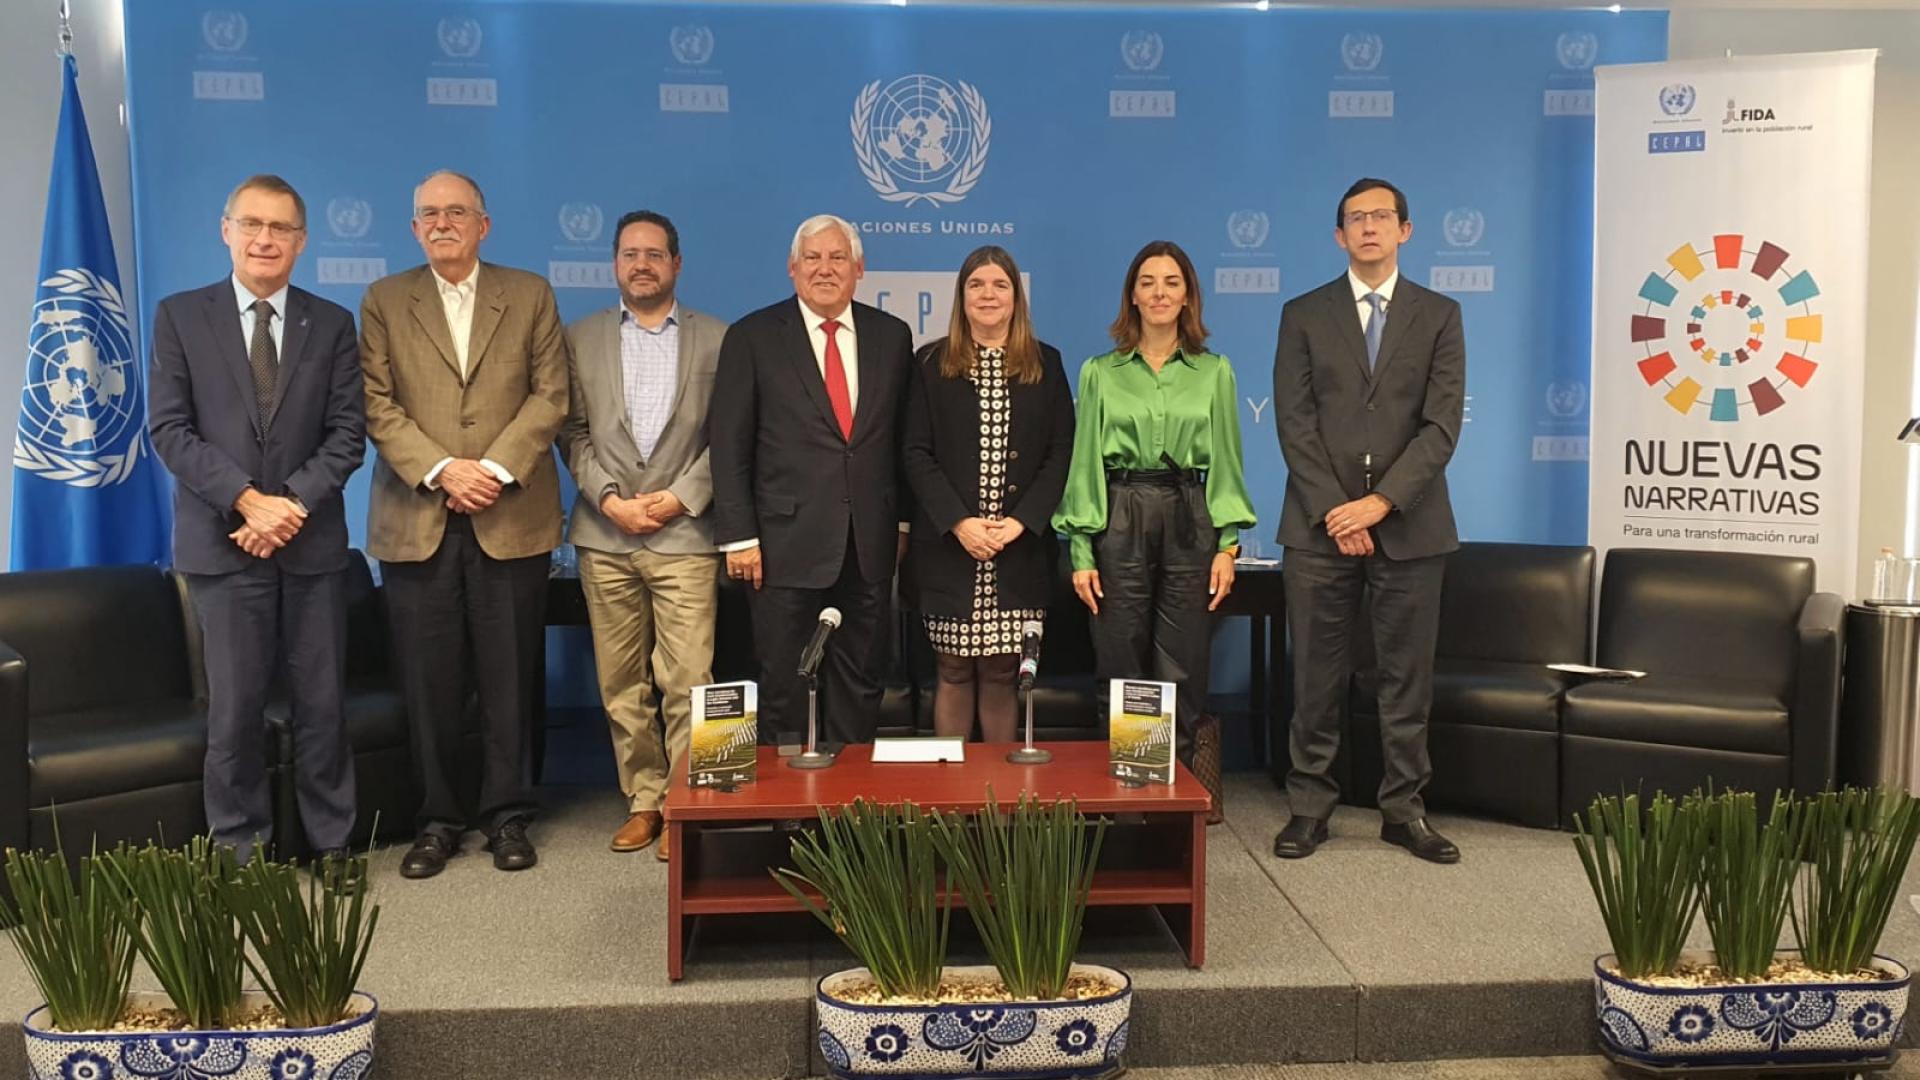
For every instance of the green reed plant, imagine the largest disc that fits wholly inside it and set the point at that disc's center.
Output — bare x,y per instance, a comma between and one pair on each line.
70,936
1859,842
1644,869
1025,876
191,941
309,942
876,870
1747,878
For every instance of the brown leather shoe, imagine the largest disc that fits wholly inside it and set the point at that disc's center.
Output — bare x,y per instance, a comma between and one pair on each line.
641,829
660,852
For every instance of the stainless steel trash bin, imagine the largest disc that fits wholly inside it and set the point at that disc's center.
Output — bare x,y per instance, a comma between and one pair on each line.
1880,706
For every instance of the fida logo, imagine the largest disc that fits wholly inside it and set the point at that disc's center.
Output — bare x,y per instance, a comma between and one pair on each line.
920,139
1737,115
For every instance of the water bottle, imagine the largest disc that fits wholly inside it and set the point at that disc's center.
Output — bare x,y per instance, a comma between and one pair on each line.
1883,570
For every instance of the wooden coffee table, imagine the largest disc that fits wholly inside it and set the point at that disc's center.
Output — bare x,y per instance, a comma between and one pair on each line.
1155,855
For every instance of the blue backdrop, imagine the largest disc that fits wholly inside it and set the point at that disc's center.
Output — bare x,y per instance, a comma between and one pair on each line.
1069,136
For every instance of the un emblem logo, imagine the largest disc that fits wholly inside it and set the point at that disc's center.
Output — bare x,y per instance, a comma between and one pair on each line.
1577,50
1141,50
919,132
692,45
1247,228
580,222
224,31
1463,227
1566,400
349,218
80,417
1362,52
459,37
1677,99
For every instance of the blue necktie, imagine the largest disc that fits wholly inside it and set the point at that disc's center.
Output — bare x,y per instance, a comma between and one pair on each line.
1374,326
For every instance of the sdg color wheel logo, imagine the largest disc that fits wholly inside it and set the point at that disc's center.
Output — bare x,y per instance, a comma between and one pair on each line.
1726,330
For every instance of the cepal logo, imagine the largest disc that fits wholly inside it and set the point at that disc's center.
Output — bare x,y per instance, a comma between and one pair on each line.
459,37
1737,115
581,222
1677,99
1141,50
1463,227
1566,400
224,31
692,45
1726,329
919,139
1362,52
349,218
1247,229
1577,50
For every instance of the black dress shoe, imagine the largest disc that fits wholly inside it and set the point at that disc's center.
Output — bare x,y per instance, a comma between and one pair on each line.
1300,837
510,846
1418,837
428,856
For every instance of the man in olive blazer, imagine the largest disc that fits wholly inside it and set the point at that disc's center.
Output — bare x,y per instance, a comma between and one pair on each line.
466,376
636,443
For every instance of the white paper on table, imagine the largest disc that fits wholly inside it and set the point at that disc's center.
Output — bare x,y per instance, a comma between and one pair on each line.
1598,672
921,749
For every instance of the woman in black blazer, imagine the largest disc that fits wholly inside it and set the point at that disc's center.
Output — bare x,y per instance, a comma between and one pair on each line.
988,437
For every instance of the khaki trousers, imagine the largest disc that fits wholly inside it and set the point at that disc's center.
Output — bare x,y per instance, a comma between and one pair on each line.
652,618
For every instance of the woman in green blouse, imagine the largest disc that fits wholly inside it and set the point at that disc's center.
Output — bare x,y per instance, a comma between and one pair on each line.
1156,494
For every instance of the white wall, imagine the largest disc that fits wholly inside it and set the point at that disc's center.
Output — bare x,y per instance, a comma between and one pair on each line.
1890,473
29,108
29,95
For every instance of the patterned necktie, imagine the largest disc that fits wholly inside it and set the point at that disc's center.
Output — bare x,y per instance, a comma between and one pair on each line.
263,359
837,393
1374,326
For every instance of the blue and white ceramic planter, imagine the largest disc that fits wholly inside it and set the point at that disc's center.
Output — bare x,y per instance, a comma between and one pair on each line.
1754,1024
342,1051
1042,1040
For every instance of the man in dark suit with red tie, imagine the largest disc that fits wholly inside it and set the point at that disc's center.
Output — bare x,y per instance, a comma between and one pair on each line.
259,413
807,499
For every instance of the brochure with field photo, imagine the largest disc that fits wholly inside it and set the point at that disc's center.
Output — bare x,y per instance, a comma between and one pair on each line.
1140,731
726,734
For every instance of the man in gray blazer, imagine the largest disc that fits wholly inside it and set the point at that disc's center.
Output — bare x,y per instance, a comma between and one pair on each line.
1369,383
636,442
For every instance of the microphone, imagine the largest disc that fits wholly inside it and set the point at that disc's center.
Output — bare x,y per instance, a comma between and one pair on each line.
1030,632
817,646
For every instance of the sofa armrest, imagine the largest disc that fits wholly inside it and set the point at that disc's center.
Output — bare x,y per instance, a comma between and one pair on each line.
13,748
1815,717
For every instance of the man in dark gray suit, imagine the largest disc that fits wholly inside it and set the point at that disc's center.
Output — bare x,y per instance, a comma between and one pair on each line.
636,442
1369,382
259,413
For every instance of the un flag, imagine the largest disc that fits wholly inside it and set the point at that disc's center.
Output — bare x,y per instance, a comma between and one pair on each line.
85,489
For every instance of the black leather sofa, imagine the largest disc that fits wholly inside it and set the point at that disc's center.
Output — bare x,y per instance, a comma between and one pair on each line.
1506,611
1743,686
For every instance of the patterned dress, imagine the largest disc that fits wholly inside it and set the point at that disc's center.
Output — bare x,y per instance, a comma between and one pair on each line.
991,630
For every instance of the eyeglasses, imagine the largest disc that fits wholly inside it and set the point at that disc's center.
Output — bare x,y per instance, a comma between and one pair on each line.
279,230
1379,217
654,256
452,215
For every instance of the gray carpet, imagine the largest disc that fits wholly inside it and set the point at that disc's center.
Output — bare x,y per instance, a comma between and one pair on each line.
1361,953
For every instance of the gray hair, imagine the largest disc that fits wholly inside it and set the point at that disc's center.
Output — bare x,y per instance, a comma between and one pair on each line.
479,196
271,183
820,223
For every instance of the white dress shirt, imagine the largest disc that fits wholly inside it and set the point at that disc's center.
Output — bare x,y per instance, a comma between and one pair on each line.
456,299
1360,291
849,349
278,327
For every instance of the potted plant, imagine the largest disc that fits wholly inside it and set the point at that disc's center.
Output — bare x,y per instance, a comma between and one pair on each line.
200,922
1024,876
1832,864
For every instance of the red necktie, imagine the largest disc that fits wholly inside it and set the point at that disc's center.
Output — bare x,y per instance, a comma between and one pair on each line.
837,393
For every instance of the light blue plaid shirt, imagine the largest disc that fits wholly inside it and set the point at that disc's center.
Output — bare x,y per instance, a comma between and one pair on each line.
649,368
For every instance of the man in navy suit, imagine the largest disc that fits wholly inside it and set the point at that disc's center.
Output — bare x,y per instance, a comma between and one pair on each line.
258,411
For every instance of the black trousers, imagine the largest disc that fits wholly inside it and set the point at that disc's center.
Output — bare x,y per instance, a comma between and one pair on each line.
256,623
1323,610
1153,622
851,672
467,623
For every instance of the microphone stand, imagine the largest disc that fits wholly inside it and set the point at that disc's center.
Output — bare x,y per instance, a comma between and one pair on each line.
1030,754
813,757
